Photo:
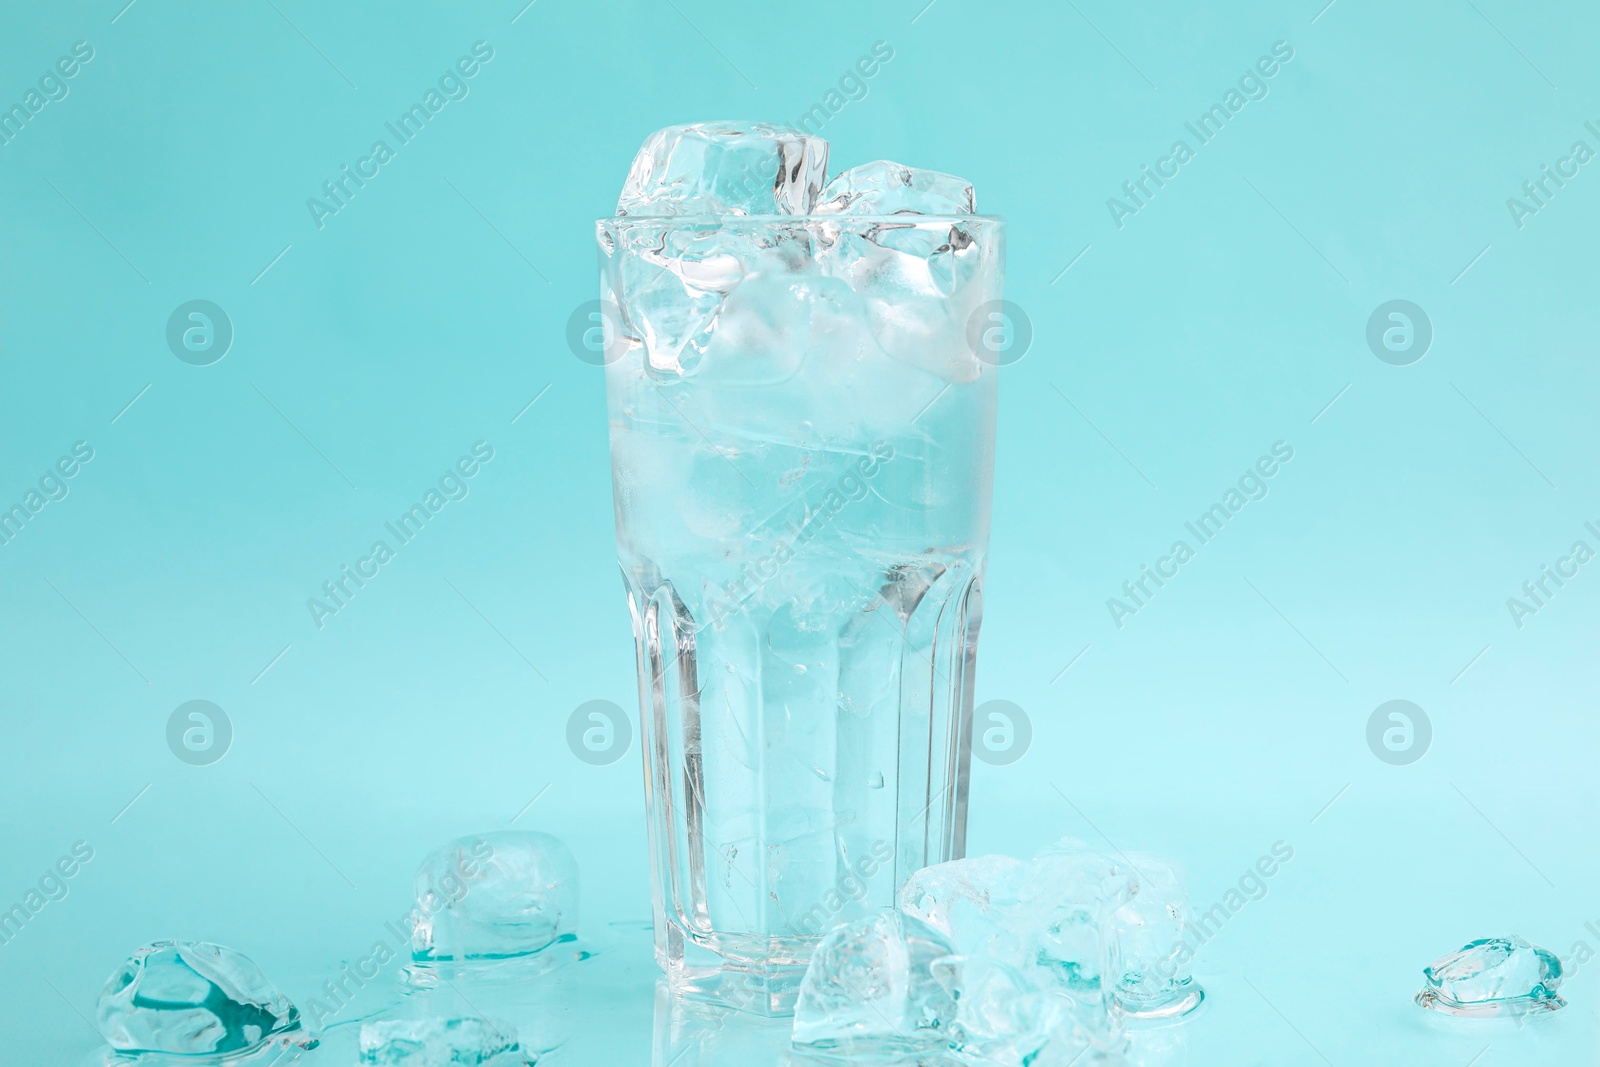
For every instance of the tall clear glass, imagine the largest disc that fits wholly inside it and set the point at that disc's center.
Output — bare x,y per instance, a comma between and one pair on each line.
802,416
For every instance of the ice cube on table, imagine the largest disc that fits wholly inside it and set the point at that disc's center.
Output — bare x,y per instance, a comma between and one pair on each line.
725,168
972,901
441,1042
1493,976
193,998
869,990
1050,912
1046,919
494,896
1000,1019
1149,961
1070,893
887,188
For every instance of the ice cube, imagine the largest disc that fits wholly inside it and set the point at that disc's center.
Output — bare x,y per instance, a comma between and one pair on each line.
1050,912
870,990
763,332
725,168
887,188
934,249
1000,1018
668,283
924,278
441,1042
1149,957
924,284
1070,893
194,998
496,895
1493,976
971,901
670,279
1046,919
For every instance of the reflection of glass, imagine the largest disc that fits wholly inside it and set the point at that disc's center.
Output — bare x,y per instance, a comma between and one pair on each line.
690,1033
534,999
1157,1046
802,459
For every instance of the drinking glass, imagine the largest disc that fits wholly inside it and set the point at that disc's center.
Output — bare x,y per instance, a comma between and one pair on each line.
802,415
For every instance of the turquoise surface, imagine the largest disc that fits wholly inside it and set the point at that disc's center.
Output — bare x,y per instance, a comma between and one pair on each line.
1180,332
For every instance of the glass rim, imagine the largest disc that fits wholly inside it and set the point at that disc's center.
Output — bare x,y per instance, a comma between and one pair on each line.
904,219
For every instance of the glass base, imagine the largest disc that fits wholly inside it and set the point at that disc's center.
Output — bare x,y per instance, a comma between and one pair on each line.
764,983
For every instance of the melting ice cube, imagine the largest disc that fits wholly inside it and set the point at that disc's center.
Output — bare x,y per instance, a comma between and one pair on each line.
869,989
725,168
1070,893
1493,976
193,998
1150,954
494,896
1106,932
1000,1018
441,1042
1052,912
971,901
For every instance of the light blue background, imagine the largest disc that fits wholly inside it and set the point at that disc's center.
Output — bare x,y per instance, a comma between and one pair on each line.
1224,316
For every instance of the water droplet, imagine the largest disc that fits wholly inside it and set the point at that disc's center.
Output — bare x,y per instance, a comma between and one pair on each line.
875,780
